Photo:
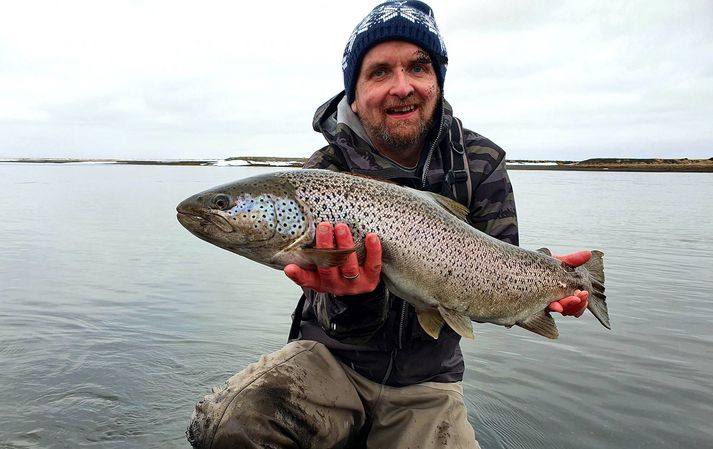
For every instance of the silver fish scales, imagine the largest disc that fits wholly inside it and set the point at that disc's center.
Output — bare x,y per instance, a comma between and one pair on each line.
449,271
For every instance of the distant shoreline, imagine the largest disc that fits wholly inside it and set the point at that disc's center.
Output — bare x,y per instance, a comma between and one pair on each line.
599,164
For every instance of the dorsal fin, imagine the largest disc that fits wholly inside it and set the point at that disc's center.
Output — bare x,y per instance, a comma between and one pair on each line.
454,207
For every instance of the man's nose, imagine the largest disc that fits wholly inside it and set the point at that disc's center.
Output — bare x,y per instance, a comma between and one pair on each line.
402,87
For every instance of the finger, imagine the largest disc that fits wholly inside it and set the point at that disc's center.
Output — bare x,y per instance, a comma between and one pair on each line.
555,307
344,240
584,296
576,259
303,278
372,259
570,305
325,236
565,305
583,308
325,240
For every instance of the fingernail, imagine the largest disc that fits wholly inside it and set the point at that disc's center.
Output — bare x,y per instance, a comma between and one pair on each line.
323,228
340,231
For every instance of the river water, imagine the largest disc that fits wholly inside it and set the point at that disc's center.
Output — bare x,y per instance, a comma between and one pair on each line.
114,320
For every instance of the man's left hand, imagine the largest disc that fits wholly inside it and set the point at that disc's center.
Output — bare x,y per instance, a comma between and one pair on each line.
576,304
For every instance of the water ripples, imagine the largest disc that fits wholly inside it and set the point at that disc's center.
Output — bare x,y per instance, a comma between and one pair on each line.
114,321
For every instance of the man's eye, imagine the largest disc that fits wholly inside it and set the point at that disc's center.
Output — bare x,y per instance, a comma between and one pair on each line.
378,73
419,68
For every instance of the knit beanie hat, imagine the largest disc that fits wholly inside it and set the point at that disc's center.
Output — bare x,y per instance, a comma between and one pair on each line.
410,21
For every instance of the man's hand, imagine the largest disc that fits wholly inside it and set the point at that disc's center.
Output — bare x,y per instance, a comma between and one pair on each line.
348,279
573,305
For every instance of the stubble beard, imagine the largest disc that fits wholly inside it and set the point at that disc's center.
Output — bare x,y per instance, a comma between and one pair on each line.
400,136
400,141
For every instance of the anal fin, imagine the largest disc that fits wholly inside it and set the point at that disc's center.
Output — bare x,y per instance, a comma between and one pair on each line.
458,322
541,323
431,321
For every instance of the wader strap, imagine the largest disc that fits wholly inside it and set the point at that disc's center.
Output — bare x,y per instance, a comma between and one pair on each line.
458,178
296,320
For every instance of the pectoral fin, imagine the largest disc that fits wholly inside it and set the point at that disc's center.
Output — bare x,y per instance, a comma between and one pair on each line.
431,321
458,322
326,258
541,323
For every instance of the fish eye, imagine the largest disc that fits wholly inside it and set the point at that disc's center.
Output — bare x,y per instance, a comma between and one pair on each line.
221,201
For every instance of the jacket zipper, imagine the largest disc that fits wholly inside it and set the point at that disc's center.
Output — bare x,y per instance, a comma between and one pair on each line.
436,141
404,306
394,352
402,322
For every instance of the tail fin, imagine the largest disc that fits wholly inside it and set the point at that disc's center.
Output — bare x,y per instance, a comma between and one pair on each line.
597,299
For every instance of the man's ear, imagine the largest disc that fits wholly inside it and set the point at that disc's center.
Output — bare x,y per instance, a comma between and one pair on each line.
354,108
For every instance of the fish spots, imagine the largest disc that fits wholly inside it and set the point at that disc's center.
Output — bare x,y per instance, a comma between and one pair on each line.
291,220
254,216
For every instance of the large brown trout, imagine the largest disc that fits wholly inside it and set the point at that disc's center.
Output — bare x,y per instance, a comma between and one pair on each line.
449,271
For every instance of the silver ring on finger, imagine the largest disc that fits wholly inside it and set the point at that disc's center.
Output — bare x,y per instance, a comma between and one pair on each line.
351,278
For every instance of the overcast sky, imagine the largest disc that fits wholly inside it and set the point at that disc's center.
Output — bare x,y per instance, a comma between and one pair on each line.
214,79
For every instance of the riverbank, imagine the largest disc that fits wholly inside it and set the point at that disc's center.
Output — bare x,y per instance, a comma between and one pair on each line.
598,164
619,164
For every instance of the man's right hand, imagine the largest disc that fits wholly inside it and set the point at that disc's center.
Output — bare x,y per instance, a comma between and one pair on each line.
348,279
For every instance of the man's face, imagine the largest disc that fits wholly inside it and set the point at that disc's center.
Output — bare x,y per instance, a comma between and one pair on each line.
396,95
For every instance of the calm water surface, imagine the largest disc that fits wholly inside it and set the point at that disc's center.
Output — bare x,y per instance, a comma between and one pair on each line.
114,320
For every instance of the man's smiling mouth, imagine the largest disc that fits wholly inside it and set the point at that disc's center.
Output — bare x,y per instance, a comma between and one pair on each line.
401,110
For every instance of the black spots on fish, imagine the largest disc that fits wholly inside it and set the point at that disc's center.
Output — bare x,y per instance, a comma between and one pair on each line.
253,216
291,221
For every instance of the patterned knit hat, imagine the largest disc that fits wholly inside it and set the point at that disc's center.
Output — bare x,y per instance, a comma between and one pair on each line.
410,21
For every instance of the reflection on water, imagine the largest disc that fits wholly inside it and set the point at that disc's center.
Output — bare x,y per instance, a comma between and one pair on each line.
114,320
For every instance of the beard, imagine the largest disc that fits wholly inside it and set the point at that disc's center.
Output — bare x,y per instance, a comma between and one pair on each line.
401,136
399,139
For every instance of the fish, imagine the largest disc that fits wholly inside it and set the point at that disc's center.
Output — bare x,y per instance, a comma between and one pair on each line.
449,271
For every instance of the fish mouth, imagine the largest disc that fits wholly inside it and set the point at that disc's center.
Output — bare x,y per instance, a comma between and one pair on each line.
193,221
190,220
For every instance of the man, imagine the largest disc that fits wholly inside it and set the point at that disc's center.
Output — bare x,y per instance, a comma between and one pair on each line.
360,370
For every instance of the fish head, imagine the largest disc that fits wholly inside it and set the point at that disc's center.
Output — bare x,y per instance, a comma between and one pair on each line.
249,217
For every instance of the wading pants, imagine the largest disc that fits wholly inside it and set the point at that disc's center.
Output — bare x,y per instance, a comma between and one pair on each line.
302,397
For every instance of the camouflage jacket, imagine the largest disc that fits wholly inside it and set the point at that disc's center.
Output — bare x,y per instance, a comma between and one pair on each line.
378,334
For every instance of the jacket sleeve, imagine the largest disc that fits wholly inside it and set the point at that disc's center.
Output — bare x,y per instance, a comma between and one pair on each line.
492,209
328,158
